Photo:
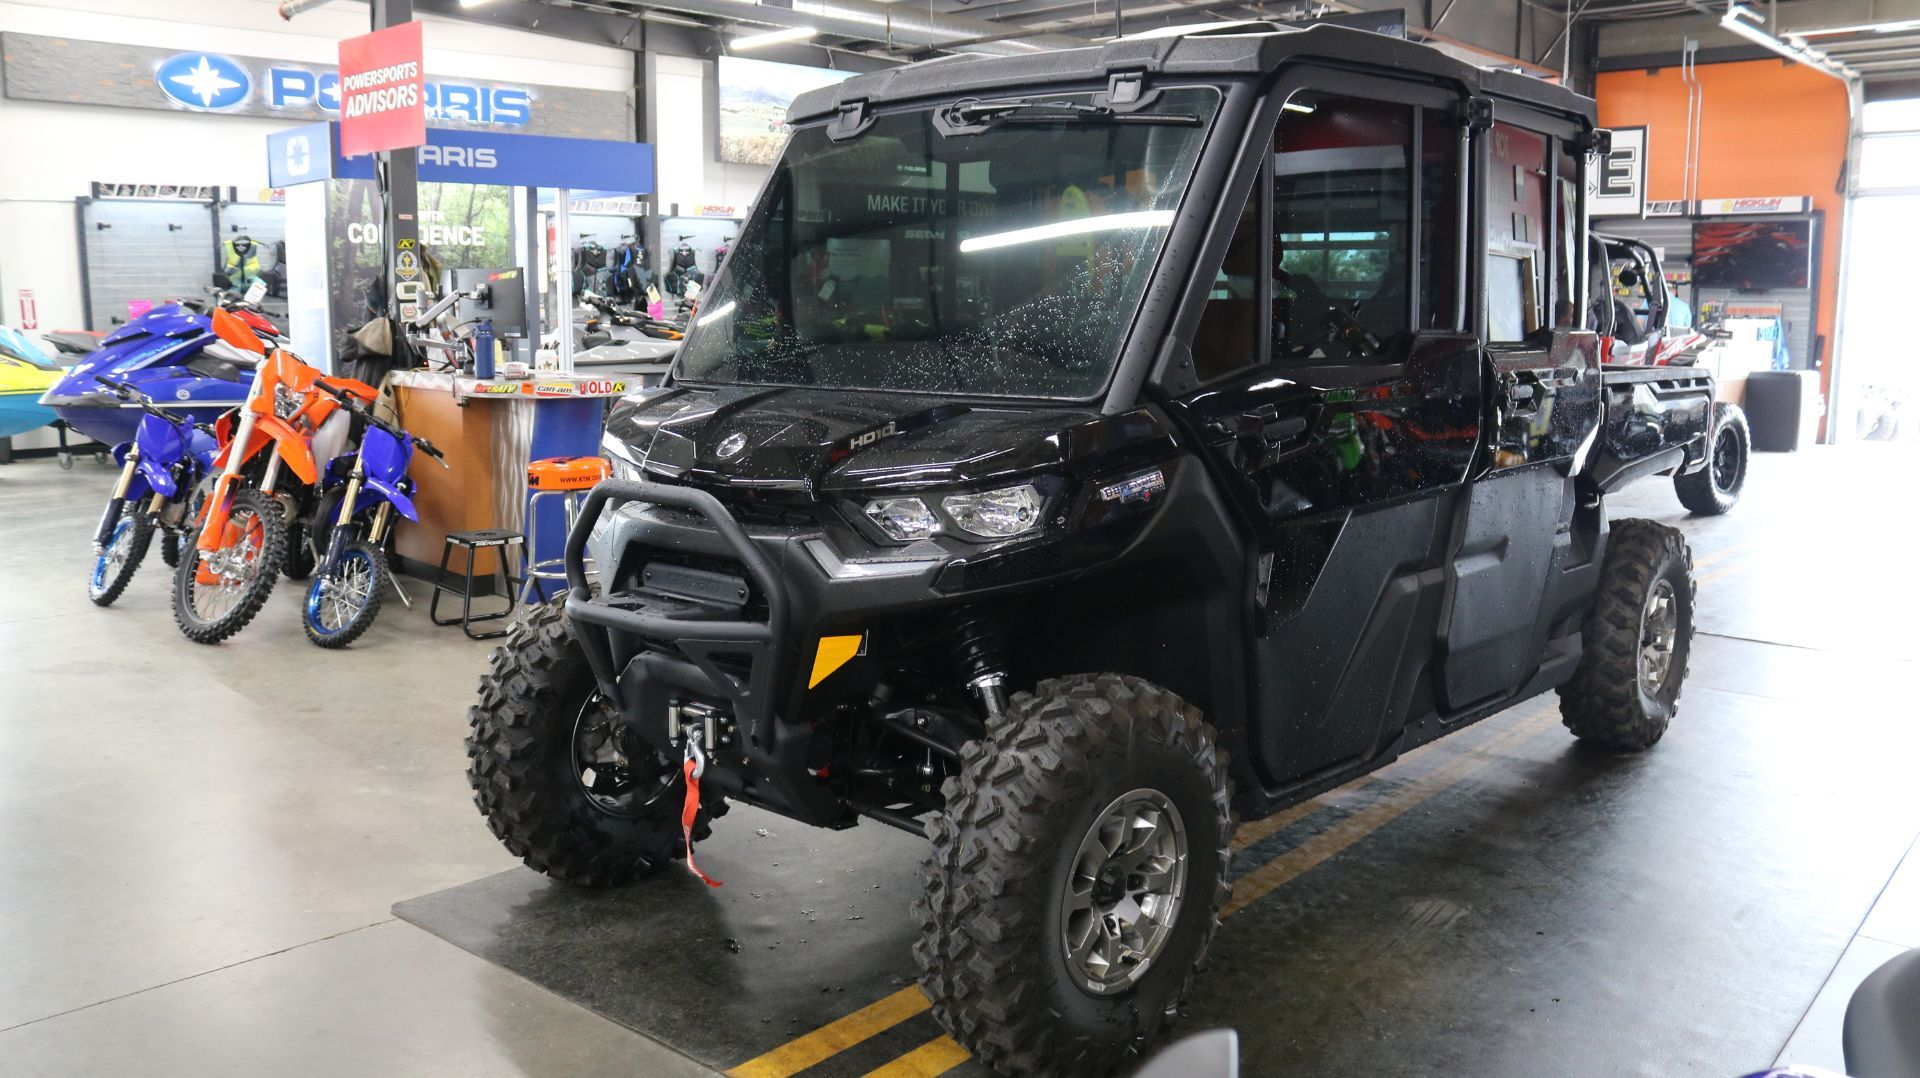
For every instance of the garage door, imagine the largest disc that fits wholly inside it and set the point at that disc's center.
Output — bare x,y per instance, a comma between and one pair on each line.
149,251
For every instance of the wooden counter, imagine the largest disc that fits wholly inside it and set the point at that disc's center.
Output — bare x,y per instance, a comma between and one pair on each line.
490,430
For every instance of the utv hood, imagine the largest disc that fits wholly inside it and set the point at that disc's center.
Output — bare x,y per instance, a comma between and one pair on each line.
803,443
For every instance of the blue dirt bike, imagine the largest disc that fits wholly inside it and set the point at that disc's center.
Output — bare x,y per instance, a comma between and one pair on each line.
160,470
360,493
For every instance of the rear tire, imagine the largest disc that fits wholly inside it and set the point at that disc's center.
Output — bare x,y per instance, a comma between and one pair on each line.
254,509
538,718
361,574
300,561
1715,489
1637,640
170,548
114,569
1020,870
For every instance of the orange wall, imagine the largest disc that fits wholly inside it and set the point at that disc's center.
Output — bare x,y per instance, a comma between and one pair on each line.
1767,128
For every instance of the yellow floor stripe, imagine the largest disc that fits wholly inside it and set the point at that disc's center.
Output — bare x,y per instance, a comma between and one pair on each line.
936,1057
1712,556
1262,881
943,1053
835,1037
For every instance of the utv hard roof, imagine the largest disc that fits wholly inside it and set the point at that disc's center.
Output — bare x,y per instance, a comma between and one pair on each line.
1205,54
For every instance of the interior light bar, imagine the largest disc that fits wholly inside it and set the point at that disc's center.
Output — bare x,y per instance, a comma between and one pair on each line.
1072,226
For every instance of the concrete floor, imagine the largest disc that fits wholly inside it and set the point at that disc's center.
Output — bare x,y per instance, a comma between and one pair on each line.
204,846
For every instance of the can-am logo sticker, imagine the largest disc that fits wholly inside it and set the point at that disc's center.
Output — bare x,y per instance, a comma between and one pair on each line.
203,82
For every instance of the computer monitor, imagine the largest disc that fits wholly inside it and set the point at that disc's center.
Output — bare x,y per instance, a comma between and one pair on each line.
505,301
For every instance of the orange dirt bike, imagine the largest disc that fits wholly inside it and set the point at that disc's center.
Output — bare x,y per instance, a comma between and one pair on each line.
225,577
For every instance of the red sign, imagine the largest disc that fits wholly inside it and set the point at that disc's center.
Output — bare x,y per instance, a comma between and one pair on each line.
383,103
29,310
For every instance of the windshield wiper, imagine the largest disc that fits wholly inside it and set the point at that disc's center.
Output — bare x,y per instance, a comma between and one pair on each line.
973,116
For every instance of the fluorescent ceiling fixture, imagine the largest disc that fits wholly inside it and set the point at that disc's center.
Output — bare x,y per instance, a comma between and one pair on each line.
1865,28
774,37
715,315
474,3
1294,107
1072,226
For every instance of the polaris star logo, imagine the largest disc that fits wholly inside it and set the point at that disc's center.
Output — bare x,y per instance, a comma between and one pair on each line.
204,82
730,446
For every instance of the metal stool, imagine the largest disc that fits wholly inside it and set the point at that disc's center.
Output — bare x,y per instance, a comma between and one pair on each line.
567,478
496,539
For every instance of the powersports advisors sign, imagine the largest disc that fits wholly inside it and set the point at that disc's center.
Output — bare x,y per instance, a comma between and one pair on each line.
382,106
72,71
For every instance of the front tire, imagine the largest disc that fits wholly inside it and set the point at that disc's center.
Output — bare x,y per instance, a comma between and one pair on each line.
113,568
1715,489
213,605
1076,877
560,782
1637,640
342,603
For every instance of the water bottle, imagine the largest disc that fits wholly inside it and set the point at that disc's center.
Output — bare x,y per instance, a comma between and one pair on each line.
483,350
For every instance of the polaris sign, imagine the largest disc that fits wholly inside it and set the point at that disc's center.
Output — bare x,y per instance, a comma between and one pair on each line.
309,153
209,82
502,106
204,82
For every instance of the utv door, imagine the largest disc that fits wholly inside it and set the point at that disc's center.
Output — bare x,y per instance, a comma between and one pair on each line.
1544,380
1340,400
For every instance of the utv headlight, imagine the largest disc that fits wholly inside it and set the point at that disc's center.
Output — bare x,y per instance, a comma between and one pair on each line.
903,519
996,514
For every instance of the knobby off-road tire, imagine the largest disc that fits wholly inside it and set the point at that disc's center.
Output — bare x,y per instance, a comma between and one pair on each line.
113,570
299,562
992,914
1643,607
526,778
273,547
1716,488
356,557
170,548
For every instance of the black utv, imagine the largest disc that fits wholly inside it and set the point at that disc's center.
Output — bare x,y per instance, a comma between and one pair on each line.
1078,450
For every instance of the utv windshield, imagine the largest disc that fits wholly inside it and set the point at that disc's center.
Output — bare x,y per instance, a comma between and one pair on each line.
995,248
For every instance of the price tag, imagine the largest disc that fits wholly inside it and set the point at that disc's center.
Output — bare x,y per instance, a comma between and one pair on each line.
256,291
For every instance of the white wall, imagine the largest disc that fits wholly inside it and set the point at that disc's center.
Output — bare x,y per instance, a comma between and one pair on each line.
686,140
55,151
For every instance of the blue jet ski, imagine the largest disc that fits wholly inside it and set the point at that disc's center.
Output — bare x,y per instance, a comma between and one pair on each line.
171,355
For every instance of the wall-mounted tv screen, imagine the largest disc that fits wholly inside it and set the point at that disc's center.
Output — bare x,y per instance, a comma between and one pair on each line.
754,95
1752,255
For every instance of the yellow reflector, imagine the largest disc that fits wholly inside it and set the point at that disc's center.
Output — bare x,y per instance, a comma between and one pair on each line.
833,654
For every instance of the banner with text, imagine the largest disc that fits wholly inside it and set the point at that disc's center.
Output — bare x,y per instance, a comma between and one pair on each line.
382,91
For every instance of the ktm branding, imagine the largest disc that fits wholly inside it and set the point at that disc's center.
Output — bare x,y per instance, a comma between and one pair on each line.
208,82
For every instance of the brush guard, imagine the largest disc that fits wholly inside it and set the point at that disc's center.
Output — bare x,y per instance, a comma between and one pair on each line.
710,642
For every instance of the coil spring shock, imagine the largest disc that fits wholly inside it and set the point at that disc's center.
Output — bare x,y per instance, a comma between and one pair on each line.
979,654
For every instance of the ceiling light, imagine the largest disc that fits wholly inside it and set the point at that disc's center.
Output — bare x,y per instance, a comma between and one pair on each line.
774,37
1865,28
1072,226
474,3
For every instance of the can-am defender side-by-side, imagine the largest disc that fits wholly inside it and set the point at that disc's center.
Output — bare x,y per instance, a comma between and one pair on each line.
1642,323
1081,448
